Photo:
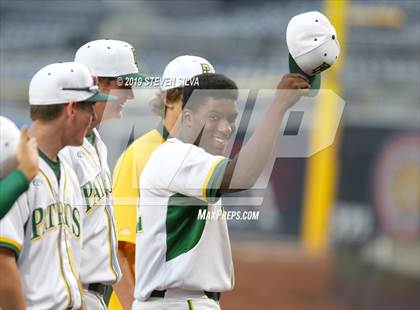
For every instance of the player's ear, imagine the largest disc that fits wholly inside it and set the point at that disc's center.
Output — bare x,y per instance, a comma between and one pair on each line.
187,117
70,109
169,104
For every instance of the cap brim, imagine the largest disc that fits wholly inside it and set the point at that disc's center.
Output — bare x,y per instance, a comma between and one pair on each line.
99,96
315,80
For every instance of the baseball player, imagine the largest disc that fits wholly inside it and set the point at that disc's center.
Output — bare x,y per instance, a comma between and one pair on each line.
109,60
41,236
168,104
18,163
183,262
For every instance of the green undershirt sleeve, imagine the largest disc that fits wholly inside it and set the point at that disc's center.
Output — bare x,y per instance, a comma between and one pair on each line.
11,187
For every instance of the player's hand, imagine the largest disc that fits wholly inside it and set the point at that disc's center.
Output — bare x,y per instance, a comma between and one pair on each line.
291,87
27,154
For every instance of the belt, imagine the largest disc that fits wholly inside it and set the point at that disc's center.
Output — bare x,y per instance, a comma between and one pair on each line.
98,288
212,295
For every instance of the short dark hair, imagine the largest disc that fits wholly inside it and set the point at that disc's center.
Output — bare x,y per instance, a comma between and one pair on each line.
210,81
50,112
46,113
106,80
158,105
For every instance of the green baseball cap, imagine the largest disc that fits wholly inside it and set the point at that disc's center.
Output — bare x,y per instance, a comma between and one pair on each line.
314,80
111,58
313,46
59,83
100,96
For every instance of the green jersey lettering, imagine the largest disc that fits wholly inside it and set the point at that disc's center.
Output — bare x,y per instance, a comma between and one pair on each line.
37,222
76,223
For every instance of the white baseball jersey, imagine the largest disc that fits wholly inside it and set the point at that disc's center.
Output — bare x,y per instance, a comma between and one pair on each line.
174,248
99,257
44,229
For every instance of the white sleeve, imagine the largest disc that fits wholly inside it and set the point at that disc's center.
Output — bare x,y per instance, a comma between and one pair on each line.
12,226
191,171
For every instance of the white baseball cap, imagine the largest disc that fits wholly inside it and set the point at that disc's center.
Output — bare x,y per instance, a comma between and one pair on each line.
313,45
109,58
9,140
182,69
60,83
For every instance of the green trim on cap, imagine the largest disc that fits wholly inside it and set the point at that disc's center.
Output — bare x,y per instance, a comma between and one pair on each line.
99,96
315,80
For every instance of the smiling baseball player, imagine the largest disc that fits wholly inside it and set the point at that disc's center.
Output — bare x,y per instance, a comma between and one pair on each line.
108,60
168,104
41,236
183,262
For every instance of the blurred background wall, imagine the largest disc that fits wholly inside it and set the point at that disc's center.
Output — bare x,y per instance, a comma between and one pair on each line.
372,257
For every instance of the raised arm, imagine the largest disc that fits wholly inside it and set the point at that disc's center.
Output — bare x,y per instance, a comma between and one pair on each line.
243,171
17,182
27,155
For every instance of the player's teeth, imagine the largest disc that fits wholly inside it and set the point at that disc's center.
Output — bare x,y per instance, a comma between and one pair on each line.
219,140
